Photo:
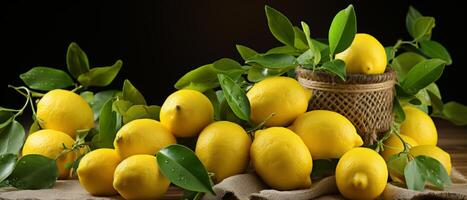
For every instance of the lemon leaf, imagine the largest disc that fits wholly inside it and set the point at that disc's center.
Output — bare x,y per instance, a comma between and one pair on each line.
282,50
399,114
46,78
7,164
182,167
434,49
235,97
342,31
404,62
413,177
274,61
12,138
141,112
455,112
336,67
76,60
108,126
201,79
412,15
100,76
422,74
34,172
397,164
435,172
130,93
245,52
422,28
280,27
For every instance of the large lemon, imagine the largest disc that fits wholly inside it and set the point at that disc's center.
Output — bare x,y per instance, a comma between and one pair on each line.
327,134
281,159
186,112
282,97
50,143
393,145
419,126
142,136
224,147
361,173
65,111
96,171
138,177
435,152
366,55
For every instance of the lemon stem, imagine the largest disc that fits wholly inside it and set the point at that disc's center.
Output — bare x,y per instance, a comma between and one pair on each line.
360,181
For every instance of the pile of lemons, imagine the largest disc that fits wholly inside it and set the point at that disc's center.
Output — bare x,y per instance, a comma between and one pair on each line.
282,154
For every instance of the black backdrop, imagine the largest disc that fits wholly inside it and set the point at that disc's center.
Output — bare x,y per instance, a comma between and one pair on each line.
161,40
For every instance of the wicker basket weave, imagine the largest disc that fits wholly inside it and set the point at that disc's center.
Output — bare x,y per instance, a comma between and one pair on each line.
366,100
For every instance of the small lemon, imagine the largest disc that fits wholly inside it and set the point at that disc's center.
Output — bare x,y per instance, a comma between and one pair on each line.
65,111
142,136
419,126
393,145
223,147
281,159
186,112
435,152
138,177
96,171
366,55
283,97
361,173
327,134
49,143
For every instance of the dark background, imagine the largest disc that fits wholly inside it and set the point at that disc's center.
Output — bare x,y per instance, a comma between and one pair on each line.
159,41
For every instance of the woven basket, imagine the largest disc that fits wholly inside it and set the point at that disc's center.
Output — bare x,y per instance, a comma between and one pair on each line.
366,100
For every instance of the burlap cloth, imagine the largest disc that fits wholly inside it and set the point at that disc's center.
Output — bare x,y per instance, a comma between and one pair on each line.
249,186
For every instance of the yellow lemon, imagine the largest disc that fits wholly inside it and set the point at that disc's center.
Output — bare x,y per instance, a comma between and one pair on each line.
96,171
419,126
366,55
327,134
142,136
64,111
361,173
186,112
435,152
138,177
393,145
223,147
281,159
283,97
49,143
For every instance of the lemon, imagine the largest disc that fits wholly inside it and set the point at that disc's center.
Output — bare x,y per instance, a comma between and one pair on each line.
435,152
186,112
393,145
361,173
223,147
283,97
281,159
327,134
96,171
366,55
138,177
64,111
419,126
49,143
142,136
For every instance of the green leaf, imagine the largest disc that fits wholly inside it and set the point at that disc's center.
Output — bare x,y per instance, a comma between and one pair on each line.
6,118
100,99
245,52
108,126
7,164
227,65
389,51
141,112
396,165
456,113
201,79
34,127
434,49
300,42
75,165
214,98
34,172
336,67
280,26
46,78
76,60
88,96
282,50
437,104
422,75
130,93
236,97
100,76
12,138
399,114
181,166
121,106
404,62
258,73
412,15
312,50
342,31
323,168
422,28
435,172
413,175
274,61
